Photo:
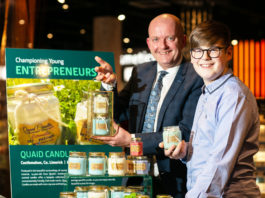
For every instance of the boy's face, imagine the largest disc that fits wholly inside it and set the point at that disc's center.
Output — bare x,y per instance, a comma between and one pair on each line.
211,64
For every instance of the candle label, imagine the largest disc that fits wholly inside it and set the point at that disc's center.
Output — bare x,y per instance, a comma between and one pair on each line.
74,166
97,166
46,132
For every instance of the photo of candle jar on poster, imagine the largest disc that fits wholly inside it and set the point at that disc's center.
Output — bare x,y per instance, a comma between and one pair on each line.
55,111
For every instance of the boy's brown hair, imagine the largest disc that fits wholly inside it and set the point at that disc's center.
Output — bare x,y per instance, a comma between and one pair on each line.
209,33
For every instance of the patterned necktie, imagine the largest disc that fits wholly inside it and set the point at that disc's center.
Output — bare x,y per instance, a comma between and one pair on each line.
152,104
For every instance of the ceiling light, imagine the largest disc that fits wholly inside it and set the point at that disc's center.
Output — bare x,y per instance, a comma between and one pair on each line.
21,22
234,42
129,50
82,31
65,6
126,40
50,36
121,17
61,1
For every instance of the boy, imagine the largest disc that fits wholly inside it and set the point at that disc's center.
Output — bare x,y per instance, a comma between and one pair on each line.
225,130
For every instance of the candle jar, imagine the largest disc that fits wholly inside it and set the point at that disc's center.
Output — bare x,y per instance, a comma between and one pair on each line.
77,163
101,125
171,136
142,165
81,191
117,163
67,195
34,113
98,192
117,191
97,163
136,147
130,165
101,103
102,108
83,120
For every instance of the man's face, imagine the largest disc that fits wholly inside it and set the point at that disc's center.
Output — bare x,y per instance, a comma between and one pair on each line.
165,43
211,68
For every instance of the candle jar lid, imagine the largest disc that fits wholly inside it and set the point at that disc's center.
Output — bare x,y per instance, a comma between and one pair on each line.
142,196
77,154
117,188
116,154
81,188
137,188
96,154
97,188
141,157
130,157
67,194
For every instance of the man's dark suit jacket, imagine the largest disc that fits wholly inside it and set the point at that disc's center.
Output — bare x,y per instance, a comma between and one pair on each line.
178,108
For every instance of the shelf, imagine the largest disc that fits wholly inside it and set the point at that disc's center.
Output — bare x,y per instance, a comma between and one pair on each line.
73,181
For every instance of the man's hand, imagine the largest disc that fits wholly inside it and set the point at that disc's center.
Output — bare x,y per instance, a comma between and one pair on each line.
120,138
105,72
176,152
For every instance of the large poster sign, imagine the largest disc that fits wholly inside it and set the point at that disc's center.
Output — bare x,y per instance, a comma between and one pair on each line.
47,91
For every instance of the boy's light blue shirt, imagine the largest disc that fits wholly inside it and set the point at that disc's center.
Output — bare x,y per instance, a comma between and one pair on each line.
224,140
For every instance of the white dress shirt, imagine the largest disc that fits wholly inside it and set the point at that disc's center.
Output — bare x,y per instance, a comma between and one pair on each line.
167,82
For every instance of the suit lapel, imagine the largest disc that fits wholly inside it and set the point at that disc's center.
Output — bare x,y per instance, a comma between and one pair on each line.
171,94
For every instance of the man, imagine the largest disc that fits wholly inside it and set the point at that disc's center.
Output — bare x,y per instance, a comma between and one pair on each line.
226,123
181,87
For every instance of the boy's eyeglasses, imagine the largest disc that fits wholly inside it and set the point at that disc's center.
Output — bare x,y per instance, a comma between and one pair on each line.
213,52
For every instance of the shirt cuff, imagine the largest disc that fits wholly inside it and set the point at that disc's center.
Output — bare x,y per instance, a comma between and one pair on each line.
108,87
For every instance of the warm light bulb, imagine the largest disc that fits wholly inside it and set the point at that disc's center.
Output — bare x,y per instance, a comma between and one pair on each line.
234,42
126,40
129,50
65,6
82,31
50,36
121,17
21,22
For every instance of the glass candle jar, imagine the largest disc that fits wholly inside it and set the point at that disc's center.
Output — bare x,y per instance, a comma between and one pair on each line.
142,165
98,192
97,163
116,163
83,120
77,163
117,191
67,195
101,125
101,103
136,147
34,113
81,191
171,136
130,165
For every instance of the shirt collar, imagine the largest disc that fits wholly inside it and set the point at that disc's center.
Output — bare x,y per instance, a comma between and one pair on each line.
217,83
172,70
